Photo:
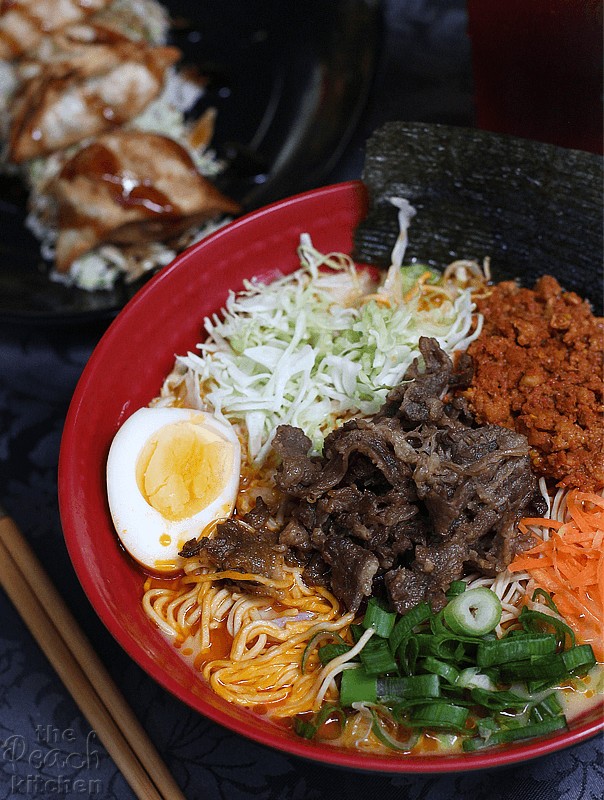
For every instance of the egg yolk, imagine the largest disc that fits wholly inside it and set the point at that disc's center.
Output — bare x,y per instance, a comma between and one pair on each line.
183,468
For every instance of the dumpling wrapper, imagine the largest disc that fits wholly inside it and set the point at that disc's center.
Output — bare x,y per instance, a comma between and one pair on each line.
129,187
84,49
23,23
59,107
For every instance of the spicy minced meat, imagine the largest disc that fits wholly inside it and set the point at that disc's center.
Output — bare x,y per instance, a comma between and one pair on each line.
538,370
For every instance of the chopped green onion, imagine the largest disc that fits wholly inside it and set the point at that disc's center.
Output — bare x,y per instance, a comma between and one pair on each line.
549,669
357,687
536,686
380,732
492,673
422,674
472,677
497,700
550,705
437,625
407,654
487,727
548,599
455,588
438,667
579,659
308,730
379,618
439,715
304,729
513,734
314,641
531,619
404,627
474,612
514,648
421,686
377,658
547,708
356,631
332,650
446,646
425,643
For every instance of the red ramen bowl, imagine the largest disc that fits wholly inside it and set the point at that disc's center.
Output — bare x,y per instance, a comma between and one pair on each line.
125,373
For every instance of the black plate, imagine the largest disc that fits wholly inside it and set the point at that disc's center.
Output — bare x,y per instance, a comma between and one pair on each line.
290,81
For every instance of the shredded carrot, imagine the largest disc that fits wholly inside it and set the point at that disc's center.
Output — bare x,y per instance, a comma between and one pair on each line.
569,563
544,523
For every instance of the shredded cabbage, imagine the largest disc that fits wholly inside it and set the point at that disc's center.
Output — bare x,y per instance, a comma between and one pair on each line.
310,349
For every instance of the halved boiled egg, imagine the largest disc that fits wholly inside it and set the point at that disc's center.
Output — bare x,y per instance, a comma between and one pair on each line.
171,472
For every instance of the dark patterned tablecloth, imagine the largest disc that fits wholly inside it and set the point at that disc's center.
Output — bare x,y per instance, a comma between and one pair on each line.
48,747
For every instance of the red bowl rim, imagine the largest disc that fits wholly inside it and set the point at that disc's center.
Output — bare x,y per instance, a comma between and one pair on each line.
519,752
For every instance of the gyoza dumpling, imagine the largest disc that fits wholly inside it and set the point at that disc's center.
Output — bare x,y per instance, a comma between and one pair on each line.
83,49
59,107
129,187
24,22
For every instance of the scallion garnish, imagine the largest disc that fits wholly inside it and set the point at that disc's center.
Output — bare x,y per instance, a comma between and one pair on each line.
539,592
513,734
413,686
380,731
404,627
328,652
514,648
579,659
304,729
439,715
314,641
377,658
455,588
357,687
407,654
472,678
546,708
437,625
442,668
448,646
497,700
550,668
532,621
378,617
426,670
474,612
308,728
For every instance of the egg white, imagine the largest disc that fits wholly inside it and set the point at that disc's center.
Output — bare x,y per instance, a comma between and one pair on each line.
150,538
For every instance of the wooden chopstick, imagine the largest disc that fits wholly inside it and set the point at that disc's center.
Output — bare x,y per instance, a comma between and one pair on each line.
55,629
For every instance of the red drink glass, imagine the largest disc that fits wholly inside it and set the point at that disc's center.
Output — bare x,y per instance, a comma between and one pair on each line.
538,69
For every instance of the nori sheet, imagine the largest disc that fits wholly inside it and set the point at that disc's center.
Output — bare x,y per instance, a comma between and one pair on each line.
533,208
